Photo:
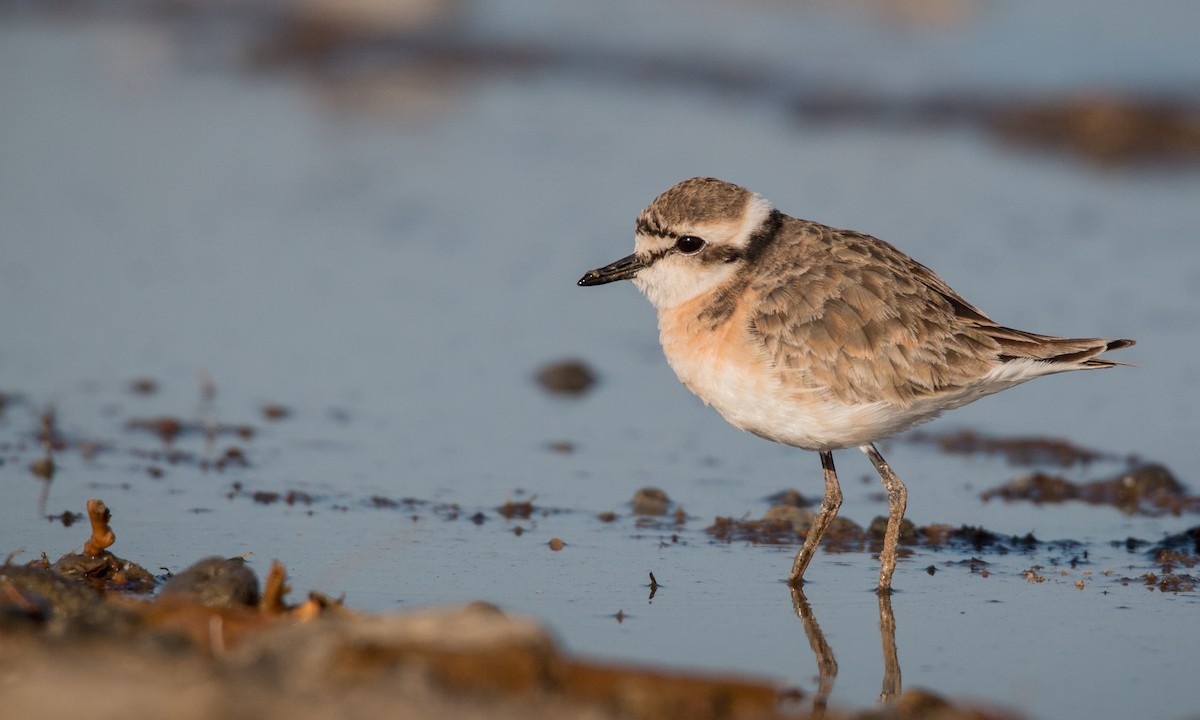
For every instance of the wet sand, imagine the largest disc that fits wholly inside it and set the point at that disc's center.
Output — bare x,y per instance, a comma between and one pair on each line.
101,632
87,634
283,283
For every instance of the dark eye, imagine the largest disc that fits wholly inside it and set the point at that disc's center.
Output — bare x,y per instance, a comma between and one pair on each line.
689,244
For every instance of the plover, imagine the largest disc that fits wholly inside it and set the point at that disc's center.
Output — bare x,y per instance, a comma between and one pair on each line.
820,338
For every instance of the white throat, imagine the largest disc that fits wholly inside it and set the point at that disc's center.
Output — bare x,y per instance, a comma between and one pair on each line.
675,279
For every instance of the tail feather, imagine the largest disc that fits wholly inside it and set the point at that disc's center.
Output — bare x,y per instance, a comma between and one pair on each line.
1096,362
1069,353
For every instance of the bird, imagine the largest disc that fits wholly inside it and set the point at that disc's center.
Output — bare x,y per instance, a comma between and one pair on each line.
820,338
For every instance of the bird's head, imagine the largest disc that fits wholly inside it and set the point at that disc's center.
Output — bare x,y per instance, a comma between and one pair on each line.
691,240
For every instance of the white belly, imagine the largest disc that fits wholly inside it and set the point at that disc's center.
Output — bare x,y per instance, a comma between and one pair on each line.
812,420
727,371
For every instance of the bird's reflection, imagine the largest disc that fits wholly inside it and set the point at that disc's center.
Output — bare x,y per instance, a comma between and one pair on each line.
827,667
891,661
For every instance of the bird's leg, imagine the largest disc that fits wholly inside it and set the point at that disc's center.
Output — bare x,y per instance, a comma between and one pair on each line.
897,499
829,510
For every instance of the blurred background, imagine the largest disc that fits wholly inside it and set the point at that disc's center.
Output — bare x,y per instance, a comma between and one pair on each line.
355,227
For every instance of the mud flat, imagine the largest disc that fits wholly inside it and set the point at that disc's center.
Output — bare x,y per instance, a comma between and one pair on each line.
97,634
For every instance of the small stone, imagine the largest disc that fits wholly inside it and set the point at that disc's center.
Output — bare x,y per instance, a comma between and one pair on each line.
143,386
789,497
566,377
275,411
650,501
43,468
215,582
795,516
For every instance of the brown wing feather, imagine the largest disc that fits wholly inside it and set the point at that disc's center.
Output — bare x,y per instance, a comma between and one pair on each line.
850,315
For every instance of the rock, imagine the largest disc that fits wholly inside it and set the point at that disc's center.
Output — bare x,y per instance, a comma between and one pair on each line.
214,582
650,501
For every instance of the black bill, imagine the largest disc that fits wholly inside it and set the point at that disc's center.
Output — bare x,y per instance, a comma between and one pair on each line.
623,269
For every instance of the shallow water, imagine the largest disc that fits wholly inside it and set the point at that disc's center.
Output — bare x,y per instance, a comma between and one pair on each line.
395,271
